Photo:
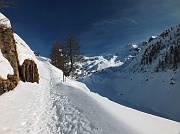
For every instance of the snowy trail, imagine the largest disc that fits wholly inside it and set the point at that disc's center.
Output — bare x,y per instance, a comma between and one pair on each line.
71,120
56,107
78,113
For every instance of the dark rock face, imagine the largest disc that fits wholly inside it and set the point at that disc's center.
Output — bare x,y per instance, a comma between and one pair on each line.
8,84
8,48
28,71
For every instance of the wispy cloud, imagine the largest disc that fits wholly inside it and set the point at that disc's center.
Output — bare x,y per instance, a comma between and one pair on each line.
131,20
115,21
109,21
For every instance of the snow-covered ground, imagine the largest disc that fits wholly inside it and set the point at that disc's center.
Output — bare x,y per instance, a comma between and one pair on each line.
69,107
56,107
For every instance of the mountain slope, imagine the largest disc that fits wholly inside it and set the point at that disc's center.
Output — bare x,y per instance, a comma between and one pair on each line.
147,80
53,106
56,107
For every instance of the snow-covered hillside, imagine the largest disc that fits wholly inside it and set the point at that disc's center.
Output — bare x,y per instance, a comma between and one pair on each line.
147,80
91,65
56,107
69,107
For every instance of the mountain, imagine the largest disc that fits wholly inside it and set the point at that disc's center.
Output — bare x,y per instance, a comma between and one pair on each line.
147,79
56,107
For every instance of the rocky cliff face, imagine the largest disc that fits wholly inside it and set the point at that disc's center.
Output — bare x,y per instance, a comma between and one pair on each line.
27,72
8,49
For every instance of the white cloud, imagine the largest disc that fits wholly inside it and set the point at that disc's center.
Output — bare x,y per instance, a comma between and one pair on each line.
115,21
109,21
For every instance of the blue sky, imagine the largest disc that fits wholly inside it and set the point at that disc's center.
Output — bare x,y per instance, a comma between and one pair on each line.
102,26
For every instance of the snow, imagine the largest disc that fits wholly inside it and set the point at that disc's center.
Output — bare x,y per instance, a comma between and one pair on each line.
68,107
4,21
154,37
144,90
98,63
134,45
5,67
57,107
24,52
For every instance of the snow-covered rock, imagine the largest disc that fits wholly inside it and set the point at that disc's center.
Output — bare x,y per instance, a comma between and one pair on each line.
24,52
5,67
4,21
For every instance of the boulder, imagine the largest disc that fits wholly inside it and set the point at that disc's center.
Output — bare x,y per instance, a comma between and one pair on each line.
28,71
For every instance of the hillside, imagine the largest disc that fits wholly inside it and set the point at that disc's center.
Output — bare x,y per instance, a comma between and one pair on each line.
56,107
69,107
148,77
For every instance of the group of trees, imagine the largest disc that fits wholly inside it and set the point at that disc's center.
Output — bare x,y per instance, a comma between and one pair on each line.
66,56
170,56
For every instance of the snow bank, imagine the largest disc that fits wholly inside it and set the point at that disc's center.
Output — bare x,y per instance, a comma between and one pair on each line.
24,52
5,67
140,122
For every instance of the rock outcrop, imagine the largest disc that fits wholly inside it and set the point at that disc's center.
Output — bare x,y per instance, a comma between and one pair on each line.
28,71
8,49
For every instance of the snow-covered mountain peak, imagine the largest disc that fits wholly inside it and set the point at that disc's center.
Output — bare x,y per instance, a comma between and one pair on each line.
149,77
99,63
4,21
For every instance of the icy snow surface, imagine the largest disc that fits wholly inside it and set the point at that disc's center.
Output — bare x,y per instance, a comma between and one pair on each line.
5,67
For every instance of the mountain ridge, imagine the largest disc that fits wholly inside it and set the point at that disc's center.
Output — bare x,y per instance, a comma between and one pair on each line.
137,82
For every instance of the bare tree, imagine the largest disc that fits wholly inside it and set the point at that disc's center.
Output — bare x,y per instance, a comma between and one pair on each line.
73,51
8,3
58,57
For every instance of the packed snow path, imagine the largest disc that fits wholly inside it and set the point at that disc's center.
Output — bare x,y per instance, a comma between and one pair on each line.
70,118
